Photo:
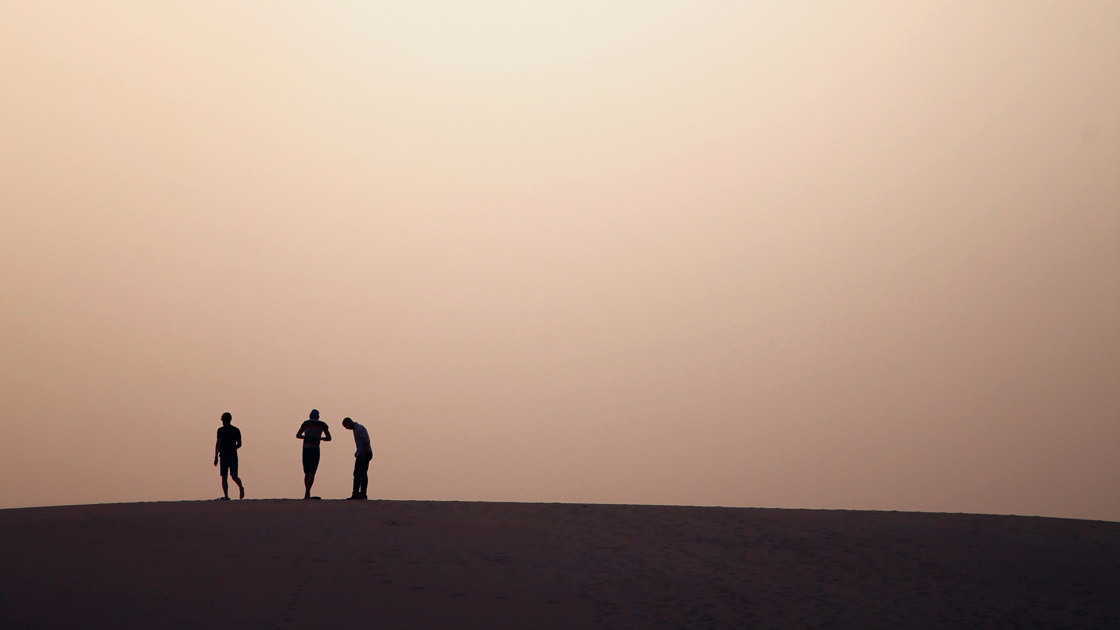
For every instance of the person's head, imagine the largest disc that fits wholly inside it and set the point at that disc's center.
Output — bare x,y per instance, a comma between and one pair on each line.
348,423
314,414
227,417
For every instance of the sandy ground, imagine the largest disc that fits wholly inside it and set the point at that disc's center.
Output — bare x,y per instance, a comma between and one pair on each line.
393,564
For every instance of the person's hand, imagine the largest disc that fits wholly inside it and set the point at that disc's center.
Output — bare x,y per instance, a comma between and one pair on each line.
215,461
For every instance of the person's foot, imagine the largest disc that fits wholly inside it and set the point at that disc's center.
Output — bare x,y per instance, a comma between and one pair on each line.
242,493
223,498
363,497
353,498
316,498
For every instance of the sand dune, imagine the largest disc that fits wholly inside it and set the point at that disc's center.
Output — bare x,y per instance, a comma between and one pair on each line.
394,564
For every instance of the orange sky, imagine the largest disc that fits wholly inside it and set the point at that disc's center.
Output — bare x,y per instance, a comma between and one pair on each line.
824,255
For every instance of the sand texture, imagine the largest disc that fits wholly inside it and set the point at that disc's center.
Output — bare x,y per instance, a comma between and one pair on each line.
400,564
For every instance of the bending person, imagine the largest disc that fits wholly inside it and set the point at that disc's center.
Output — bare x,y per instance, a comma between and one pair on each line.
312,431
362,457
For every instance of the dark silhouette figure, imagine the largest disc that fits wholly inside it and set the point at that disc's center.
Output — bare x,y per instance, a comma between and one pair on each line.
312,431
362,457
225,450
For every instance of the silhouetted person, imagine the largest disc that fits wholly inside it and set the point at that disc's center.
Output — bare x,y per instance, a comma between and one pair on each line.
225,450
311,432
362,457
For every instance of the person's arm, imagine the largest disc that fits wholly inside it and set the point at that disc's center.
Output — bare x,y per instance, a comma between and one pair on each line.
217,445
326,434
299,434
238,443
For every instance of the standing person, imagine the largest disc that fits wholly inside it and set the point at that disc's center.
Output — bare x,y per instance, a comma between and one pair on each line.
312,431
362,457
225,449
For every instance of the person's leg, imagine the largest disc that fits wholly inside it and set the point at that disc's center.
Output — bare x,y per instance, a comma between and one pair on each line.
362,474
307,476
236,479
225,472
365,474
357,477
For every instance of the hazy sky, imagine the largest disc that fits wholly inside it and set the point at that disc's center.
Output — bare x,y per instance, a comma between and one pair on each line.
822,255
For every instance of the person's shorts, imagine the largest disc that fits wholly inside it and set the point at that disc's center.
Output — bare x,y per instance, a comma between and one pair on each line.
310,459
228,464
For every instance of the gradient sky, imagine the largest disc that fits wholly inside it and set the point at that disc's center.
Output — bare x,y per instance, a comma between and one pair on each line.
822,255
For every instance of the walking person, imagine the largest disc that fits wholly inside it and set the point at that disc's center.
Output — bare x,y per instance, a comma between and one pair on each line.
312,431
362,457
225,451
